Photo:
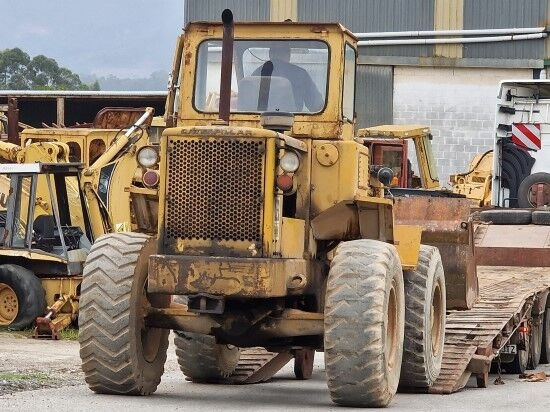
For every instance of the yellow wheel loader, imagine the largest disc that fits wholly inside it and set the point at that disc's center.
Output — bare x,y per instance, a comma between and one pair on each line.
276,234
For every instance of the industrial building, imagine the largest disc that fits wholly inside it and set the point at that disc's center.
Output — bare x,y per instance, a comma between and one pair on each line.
446,82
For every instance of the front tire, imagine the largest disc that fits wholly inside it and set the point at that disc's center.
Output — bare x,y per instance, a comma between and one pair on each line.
425,314
120,355
364,323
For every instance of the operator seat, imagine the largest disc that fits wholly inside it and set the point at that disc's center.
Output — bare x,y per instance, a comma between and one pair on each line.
277,90
44,232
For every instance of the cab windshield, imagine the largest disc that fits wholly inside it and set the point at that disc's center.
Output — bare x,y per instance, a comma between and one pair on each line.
268,75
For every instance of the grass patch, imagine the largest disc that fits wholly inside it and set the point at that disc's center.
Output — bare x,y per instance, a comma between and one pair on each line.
69,333
39,377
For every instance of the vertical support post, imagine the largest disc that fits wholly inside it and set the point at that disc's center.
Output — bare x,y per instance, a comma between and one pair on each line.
60,111
13,121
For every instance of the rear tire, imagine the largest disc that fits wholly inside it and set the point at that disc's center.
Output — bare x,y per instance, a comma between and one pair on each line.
545,349
425,313
22,297
201,359
120,355
535,342
364,323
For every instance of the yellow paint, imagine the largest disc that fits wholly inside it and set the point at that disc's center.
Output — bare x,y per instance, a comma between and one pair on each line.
237,277
449,15
292,238
34,255
407,242
332,184
56,286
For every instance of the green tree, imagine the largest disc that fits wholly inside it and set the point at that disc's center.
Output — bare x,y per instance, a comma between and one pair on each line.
18,71
14,69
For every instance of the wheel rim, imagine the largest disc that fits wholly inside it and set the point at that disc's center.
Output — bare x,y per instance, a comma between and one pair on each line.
436,323
539,194
150,337
391,328
9,305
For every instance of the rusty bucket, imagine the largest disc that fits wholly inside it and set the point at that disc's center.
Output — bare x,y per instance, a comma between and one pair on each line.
446,224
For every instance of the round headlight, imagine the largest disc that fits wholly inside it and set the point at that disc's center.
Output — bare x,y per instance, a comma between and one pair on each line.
147,156
290,162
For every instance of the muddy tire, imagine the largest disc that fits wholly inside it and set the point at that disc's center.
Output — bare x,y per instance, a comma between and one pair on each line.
201,359
119,354
425,314
545,347
506,216
364,323
22,297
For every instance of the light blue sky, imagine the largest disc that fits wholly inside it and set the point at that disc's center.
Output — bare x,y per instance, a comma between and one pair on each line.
126,38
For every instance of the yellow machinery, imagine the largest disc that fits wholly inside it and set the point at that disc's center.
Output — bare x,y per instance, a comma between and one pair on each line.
475,184
61,199
388,146
274,226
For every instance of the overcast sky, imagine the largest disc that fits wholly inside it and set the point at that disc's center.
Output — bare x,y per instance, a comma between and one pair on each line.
126,38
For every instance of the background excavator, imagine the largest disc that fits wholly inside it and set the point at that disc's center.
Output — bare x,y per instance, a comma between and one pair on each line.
53,207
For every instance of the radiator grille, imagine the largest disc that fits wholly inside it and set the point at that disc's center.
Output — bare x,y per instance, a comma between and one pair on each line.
215,189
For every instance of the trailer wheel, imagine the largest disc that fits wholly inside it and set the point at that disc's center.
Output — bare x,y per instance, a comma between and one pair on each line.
545,350
519,363
527,192
120,355
22,297
535,342
364,323
203,360
506,216
425,313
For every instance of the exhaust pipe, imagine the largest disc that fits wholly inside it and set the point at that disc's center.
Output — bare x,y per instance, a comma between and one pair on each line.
227,65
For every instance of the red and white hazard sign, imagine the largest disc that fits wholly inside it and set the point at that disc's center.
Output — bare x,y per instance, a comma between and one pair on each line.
526,135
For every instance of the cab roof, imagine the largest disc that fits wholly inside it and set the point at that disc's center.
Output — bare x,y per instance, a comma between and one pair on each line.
316,27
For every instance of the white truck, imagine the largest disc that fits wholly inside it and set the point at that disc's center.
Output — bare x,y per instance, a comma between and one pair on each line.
521,154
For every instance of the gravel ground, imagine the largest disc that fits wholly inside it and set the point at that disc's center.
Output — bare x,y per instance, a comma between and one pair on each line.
42,375
28,364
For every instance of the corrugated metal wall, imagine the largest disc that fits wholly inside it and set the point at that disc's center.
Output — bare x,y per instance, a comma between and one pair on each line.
243,10
374,95
494,14
375,15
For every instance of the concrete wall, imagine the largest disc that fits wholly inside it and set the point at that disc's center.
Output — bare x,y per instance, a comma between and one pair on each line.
457,103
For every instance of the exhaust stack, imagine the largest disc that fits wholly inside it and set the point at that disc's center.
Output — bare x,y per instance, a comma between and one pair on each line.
227,65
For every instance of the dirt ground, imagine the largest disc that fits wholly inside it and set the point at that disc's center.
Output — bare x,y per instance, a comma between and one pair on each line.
27,364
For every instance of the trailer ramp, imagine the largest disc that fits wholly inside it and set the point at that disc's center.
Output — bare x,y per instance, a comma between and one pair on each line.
473,337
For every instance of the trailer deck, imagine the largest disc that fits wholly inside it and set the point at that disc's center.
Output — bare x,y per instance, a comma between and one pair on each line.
473,337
